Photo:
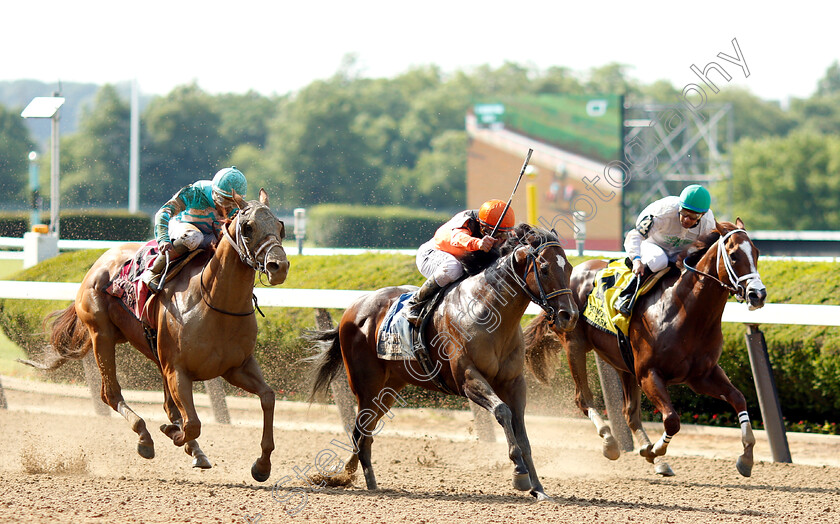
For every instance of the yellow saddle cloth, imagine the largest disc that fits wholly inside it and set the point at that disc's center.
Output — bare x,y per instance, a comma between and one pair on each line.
609,283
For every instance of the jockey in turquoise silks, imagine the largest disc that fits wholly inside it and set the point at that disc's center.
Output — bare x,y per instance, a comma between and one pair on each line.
663,230
192,218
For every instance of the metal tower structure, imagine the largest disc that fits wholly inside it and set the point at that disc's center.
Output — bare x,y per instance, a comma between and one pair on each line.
669,146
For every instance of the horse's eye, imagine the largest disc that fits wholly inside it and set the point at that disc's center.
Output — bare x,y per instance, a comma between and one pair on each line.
247,228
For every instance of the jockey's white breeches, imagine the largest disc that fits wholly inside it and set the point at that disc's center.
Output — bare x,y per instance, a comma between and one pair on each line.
441,266
653,256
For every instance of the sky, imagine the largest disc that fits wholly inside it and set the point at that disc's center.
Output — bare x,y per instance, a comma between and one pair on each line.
277,47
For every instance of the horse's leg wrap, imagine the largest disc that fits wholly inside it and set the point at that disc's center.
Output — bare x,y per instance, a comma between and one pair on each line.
610,448
146,446
745,461
661,445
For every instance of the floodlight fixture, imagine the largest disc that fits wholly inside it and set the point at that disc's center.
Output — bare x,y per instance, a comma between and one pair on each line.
43,107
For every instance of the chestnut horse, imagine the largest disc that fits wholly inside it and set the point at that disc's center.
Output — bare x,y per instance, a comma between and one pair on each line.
476,346
675,334
205,323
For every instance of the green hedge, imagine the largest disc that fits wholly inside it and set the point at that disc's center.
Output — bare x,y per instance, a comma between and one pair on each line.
86,225
805,359
336,225
13,224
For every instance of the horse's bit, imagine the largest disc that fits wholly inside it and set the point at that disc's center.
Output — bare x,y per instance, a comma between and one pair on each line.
543,298
736,286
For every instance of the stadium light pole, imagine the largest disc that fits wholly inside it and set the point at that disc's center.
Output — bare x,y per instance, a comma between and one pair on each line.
48,107
134,151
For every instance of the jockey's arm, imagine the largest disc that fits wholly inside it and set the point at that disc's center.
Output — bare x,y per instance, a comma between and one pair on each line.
168,210
462,238
635,237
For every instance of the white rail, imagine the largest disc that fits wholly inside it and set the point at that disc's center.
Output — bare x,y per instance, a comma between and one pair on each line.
799,314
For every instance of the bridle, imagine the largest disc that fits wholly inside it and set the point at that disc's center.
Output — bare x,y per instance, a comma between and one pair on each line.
736,286
249,256
531,265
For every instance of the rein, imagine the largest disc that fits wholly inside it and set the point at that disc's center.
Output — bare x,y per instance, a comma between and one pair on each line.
738,288
246,255
543,298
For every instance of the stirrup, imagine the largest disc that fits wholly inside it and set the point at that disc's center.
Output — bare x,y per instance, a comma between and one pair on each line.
623,306
153,286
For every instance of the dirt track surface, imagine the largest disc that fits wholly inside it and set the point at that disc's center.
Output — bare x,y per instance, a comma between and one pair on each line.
59,462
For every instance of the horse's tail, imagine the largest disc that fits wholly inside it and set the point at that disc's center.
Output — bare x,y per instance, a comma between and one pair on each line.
69,339
541,346
326,364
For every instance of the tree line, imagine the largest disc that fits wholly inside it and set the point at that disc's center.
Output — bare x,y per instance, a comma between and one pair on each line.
401,140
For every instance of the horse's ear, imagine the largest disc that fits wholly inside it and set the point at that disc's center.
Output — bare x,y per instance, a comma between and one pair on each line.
739,223
263,196
521,253
240,202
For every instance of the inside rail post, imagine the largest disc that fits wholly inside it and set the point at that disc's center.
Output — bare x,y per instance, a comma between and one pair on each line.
3,403
614,400
344,399
768,396
216,391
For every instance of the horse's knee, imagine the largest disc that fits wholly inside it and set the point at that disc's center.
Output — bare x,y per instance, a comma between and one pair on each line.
671,423
503,414
192,429
267,400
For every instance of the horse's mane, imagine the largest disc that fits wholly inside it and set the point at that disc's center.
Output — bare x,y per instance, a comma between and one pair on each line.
695,251
475,262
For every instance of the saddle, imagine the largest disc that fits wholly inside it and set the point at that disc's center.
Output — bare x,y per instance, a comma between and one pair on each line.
130,288
398,339
600,311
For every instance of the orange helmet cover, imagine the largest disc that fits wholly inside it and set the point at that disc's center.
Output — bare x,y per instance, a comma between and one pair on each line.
492,210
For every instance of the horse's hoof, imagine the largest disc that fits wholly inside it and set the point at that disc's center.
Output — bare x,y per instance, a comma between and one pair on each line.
743,468
647,453
202,462
147,451
663,469
541,496
521,482
258,475
610,448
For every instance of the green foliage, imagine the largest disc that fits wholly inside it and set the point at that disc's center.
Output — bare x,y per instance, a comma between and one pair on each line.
94,166
356,226
754,117
183,142
787,183
13,224
15,145
105,225
86,225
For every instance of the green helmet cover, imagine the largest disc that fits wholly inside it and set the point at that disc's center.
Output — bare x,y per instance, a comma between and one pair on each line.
696,198
228,180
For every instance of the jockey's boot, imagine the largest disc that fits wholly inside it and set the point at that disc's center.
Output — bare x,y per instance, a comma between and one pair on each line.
421,297
153,275
627,298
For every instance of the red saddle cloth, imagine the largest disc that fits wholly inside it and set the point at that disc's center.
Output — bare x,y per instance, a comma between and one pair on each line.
127,285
